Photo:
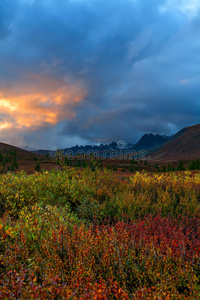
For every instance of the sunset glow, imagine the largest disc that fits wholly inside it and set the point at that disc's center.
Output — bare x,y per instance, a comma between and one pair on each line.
35,109
6,104
5,125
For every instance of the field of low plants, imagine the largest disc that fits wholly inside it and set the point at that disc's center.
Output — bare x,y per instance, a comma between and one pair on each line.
83,234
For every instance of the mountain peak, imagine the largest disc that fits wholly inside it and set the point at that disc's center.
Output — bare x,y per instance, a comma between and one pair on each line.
150,141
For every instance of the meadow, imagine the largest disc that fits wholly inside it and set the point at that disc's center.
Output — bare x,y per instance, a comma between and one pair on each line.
83,234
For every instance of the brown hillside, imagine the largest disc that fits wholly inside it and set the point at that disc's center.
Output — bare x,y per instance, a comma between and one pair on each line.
6,148
185,145
25,160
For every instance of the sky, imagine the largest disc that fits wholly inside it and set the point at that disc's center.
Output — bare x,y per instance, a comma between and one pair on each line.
97,71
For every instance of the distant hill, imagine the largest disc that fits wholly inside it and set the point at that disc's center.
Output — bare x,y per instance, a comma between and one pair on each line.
184,145
6,148
41,152
16,159
150,141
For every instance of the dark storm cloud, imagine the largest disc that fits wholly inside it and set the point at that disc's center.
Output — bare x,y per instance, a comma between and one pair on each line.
138,61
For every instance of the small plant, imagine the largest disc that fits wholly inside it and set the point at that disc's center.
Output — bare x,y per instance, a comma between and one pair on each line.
67,161
15,163
79,163
109,167
180,166
133,162
35,158
3,164
59,155
130,168
194,164
37,167
84,164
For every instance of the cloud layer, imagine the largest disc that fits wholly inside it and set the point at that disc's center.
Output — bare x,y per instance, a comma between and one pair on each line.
97,71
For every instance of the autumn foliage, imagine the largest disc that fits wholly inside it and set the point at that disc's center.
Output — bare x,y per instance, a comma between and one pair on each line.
78,234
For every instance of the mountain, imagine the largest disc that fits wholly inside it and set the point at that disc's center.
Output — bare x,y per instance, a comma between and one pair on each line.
184,145
83,149
150,141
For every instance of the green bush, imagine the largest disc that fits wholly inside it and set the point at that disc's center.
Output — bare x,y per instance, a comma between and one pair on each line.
37,167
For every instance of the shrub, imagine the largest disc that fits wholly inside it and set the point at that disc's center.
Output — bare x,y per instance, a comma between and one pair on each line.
78,234
130,168
37,167
133,162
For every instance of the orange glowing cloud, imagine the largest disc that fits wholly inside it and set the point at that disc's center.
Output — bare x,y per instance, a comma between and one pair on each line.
5,104
43,102
5,125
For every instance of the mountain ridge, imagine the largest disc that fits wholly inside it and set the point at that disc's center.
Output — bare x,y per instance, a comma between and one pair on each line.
184,145
147,141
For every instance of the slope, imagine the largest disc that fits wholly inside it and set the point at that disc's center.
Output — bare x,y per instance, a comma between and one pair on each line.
184,145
